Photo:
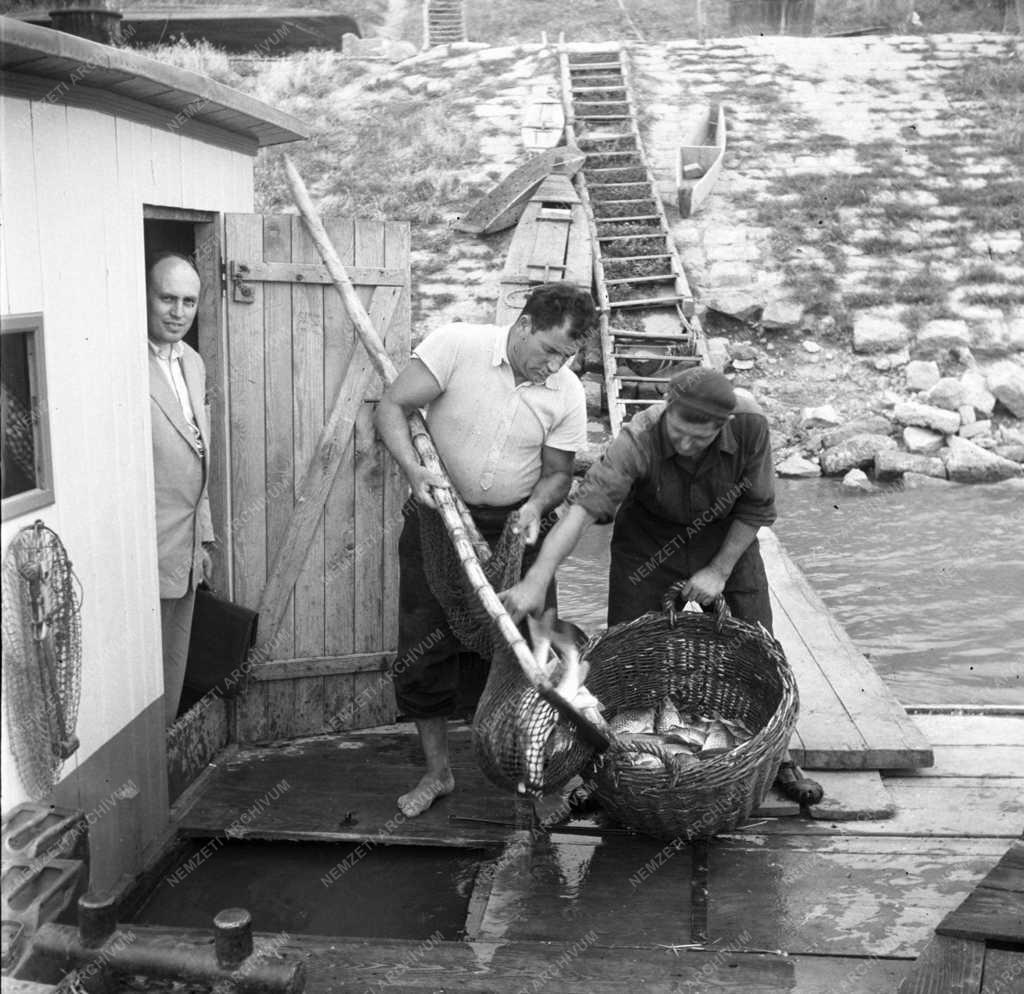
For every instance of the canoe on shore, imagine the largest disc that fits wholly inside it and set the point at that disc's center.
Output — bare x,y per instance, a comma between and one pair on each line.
504,205
700,160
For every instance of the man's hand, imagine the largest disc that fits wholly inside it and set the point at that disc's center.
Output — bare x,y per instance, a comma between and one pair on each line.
526,597
705,585
206,563
421,480
528,524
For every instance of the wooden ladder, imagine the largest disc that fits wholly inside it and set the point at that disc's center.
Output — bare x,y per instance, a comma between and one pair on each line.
445,22
648,328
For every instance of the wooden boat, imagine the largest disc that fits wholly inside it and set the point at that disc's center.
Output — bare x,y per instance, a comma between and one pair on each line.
543,123
504,205
551,242
700,160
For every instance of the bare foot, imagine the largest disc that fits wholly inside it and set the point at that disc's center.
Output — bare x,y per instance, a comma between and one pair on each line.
428,790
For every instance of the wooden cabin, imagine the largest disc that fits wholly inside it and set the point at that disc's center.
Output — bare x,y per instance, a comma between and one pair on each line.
107,155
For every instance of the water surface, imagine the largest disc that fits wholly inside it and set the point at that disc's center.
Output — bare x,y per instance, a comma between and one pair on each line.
929,583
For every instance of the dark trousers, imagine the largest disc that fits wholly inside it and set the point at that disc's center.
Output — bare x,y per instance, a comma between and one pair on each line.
648,557
435,676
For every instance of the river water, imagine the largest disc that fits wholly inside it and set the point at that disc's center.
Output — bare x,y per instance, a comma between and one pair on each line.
929,583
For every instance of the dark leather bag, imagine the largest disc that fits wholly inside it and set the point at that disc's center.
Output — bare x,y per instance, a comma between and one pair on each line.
222,636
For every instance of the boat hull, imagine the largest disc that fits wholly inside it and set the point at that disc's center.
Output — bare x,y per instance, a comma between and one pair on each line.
504,205
700,161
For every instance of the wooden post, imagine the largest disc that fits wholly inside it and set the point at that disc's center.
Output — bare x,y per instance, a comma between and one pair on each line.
701,22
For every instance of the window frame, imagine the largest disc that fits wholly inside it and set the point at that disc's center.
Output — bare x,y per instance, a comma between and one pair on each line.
43,495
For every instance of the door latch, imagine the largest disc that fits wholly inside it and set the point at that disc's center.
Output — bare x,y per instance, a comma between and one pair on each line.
242,291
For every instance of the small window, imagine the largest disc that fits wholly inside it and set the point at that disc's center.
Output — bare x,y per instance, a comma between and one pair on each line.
26,477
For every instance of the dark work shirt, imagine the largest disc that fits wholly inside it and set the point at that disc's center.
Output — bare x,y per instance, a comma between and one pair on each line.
733,479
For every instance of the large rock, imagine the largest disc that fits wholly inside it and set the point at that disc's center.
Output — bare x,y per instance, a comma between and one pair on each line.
1012,451
782,315
908,412
970,463
871,424
718,353
922,441
818,417
921,374
974,392
854,453
857,479
943,334
797,467
946,393
975,429
737,304
920,481
1006,381
874,332
892,464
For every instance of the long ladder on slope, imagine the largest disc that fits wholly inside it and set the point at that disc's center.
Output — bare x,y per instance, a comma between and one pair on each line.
648,329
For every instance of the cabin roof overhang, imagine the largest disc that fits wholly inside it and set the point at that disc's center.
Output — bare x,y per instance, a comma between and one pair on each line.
40,62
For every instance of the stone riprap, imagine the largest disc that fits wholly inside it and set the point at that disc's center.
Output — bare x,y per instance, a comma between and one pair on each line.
862,205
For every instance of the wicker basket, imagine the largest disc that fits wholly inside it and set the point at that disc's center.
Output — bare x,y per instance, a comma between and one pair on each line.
707,664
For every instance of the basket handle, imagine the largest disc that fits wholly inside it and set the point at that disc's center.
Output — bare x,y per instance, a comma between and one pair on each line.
674,595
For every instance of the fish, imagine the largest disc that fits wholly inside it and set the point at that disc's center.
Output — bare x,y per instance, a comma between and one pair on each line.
633,720
718,741
668,716
684,735
541,733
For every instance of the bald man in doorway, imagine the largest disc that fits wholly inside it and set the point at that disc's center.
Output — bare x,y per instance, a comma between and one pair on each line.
181,446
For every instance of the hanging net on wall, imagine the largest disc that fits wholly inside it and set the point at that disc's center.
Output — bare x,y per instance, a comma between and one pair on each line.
42,655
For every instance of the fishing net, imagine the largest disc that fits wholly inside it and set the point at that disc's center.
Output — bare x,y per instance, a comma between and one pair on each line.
42,655
517,736
468,620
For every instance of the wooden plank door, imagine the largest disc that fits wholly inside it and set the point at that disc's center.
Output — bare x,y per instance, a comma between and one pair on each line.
292,358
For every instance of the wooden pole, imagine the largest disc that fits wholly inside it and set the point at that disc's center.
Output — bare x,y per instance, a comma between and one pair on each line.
444,496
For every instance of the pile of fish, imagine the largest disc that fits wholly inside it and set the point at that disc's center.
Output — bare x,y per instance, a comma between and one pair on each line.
685,738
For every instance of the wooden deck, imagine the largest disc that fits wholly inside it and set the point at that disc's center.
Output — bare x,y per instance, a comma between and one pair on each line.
784,904
979,947
844,900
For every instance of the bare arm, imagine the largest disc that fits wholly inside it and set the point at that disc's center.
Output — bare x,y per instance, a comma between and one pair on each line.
549,491
527,596
415,387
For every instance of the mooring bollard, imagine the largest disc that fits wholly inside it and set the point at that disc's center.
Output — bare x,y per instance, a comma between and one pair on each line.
232,937
232,959
97,919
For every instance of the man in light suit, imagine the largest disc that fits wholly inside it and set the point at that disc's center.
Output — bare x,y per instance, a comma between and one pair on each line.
181,443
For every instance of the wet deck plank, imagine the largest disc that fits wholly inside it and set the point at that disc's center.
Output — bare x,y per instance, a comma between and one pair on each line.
623,891
994,910
344,788
352,966
849,719
870,897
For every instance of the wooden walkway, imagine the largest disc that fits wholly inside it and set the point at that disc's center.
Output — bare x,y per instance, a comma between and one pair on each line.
849,720
784,904
845,899
979,947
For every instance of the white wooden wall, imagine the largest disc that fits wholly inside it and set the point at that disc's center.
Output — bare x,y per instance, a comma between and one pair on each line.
72,186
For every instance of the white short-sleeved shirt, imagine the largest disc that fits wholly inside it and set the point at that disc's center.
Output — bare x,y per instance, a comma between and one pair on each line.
488,431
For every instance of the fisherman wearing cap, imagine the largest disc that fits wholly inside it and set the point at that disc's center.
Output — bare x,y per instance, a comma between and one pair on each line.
687,482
